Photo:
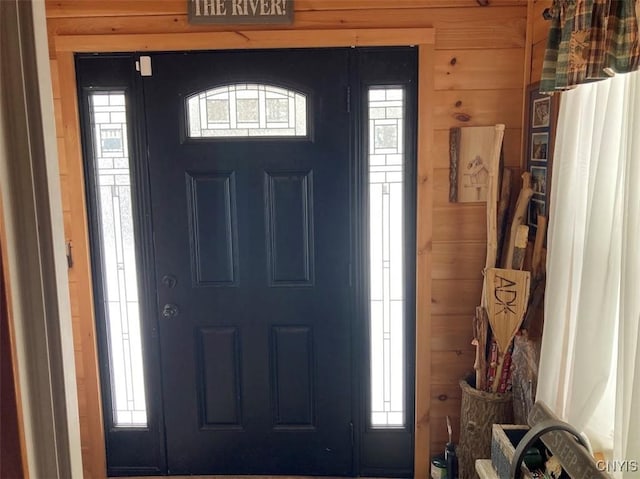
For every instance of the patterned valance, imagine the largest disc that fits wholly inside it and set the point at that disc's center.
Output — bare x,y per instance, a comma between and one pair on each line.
590,40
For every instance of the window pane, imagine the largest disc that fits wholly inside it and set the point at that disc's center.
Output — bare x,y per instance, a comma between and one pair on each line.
109,128
386,246
247,110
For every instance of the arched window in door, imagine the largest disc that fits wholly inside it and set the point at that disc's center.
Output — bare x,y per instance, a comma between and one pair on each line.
246,110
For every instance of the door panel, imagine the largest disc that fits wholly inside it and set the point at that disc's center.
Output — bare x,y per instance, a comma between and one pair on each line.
256,232
292,377
289,222
214,239
219,371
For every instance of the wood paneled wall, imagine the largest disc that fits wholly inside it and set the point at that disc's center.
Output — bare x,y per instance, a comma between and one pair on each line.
538,38
479,76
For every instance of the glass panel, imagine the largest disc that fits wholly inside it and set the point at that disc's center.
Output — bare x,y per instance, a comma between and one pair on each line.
108,121
386,246
246,110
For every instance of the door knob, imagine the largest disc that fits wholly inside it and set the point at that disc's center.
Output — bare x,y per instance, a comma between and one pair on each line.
170,311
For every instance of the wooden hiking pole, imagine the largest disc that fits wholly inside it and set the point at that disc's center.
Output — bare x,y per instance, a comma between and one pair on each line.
518,218
480,332
536,261
492,199
492,205
503,208
520,246
480,321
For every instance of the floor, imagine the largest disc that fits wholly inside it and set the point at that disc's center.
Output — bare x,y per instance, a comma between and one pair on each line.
243,477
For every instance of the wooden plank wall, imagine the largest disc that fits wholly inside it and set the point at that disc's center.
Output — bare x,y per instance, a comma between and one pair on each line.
478,78
538,38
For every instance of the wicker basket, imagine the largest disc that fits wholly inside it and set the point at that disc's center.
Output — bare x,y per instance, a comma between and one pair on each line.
478,413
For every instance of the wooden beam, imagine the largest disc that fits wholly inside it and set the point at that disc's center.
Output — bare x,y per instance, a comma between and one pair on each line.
115,8
478,29
426,92
261,39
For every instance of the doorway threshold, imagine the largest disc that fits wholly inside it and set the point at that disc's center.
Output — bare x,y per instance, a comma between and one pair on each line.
246,477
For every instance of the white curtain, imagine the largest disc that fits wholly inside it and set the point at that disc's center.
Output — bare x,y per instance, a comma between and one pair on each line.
590,359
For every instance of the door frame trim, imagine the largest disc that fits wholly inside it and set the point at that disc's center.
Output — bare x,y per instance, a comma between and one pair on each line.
424,38
239,40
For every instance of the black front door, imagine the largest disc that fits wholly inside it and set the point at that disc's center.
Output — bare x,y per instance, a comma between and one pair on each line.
251,229
253,181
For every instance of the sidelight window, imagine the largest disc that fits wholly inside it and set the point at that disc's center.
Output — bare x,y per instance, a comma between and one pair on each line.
118,257
246,110
386,163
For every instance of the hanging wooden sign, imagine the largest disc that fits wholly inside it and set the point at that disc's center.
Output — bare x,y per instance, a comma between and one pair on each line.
575,459
240,11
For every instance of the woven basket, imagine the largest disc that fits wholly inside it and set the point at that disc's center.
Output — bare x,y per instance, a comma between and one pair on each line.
478,413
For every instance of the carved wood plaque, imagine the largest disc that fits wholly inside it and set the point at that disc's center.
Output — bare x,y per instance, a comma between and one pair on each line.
470,157
240,11
574,458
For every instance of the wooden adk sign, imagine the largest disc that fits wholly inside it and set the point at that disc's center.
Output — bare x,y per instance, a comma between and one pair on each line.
240,11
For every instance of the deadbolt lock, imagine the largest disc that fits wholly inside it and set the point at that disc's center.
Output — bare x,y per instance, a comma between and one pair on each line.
169,281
